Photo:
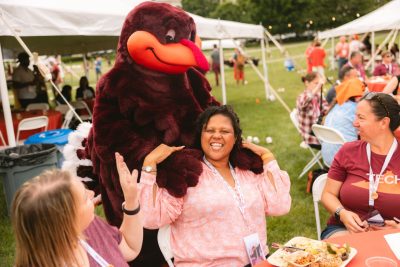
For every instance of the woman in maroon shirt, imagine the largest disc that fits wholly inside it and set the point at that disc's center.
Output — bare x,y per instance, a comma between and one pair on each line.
364,178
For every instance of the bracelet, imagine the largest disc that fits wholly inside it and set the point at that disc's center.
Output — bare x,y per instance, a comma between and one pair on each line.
267,155
130,212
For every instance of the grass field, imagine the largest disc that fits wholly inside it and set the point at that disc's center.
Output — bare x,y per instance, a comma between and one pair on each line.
261,118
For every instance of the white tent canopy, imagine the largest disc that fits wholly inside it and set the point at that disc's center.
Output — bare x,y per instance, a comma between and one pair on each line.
384,18
76,26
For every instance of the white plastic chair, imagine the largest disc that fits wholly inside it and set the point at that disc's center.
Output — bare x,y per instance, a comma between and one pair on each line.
163,238
38,106
316,156
81,105
67,119
328,135
31,124
62,108
317,188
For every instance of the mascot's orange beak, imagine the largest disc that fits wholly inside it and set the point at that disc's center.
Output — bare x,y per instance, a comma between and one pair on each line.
174,58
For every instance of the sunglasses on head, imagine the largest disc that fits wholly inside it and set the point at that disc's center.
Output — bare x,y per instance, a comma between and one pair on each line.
375,96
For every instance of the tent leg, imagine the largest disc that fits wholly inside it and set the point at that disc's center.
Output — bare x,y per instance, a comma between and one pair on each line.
85,66
6,103
333,53
268,94
222,71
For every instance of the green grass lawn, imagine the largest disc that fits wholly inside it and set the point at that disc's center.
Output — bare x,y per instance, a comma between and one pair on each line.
257,119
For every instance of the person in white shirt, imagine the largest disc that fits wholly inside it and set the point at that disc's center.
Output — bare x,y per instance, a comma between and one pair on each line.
24,81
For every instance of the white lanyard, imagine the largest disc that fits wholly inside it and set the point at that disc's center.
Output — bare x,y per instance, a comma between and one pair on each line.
99,259
237,193
373,185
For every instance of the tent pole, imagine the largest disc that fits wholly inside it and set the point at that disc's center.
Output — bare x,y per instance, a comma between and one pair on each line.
373,50
85,67
379,49
222,71
6,103
265,70
333,53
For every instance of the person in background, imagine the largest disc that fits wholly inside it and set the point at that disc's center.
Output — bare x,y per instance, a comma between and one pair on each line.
356,62
387,67
97,67
342,52
367,44
84,91
342,115
358,185
54,223
24,81
239,60
215,64
225,196
317,57
345,74
41,89
307,54
66,92
310,108
355,44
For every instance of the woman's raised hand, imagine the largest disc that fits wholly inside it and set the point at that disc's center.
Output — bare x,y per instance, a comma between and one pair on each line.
259,150
159,154
128,182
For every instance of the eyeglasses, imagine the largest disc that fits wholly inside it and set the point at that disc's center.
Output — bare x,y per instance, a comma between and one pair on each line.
375,95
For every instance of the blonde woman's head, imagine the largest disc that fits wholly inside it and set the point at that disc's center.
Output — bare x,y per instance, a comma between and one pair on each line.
44,217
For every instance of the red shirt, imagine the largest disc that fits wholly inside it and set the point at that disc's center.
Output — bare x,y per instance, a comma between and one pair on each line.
317,57
351,167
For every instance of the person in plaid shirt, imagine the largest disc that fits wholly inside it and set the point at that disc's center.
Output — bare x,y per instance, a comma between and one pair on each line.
308,107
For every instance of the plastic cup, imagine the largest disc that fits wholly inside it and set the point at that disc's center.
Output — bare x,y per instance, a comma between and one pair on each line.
380,262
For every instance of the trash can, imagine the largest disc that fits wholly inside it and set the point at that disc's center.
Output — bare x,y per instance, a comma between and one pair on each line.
58,137
21,163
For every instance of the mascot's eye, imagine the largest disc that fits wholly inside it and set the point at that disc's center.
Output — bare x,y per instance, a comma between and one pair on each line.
170,36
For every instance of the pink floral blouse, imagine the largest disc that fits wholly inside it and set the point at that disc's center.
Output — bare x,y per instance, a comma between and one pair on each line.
207,227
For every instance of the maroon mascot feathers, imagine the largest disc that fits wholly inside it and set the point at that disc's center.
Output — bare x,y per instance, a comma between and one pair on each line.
152,95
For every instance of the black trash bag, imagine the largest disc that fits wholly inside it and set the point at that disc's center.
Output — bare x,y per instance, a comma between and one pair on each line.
26,155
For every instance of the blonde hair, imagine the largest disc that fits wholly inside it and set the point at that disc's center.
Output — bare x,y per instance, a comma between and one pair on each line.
44,221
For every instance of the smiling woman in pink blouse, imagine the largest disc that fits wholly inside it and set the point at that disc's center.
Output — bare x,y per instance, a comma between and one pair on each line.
210,224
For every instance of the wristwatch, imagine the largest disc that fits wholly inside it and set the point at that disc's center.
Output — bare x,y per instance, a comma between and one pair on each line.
148,169
337,212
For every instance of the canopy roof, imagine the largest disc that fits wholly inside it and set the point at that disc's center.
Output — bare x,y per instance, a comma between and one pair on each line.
76,26
384,18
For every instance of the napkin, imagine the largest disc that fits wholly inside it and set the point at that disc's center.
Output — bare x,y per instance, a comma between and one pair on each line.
394,243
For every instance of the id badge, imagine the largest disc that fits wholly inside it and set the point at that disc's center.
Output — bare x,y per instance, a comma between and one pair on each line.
254,249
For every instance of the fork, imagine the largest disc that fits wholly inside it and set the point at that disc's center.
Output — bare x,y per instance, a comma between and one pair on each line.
280,246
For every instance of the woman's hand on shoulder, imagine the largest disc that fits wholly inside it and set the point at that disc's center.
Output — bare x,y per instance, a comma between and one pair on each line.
265,154
128,181
160,153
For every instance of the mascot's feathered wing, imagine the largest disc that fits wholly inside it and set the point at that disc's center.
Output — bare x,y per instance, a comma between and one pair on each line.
152,95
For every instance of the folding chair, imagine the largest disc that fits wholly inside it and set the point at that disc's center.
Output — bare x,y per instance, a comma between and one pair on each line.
31,124
163,238
328,135
38,106
81,105
67,119
62,108
317,188
316,156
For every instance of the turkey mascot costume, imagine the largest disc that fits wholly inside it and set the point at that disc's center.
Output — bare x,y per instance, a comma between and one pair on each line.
152,95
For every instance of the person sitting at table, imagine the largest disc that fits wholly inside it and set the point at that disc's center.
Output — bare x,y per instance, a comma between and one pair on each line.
54,223
345,74
225,196
356,61
66,92
392,87
342,115
84,91
310,108
387,67
364,173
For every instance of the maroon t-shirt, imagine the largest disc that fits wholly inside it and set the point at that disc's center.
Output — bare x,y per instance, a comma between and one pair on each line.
104,239
351,167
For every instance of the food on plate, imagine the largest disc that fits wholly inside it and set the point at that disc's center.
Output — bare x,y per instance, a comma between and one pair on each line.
342,251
